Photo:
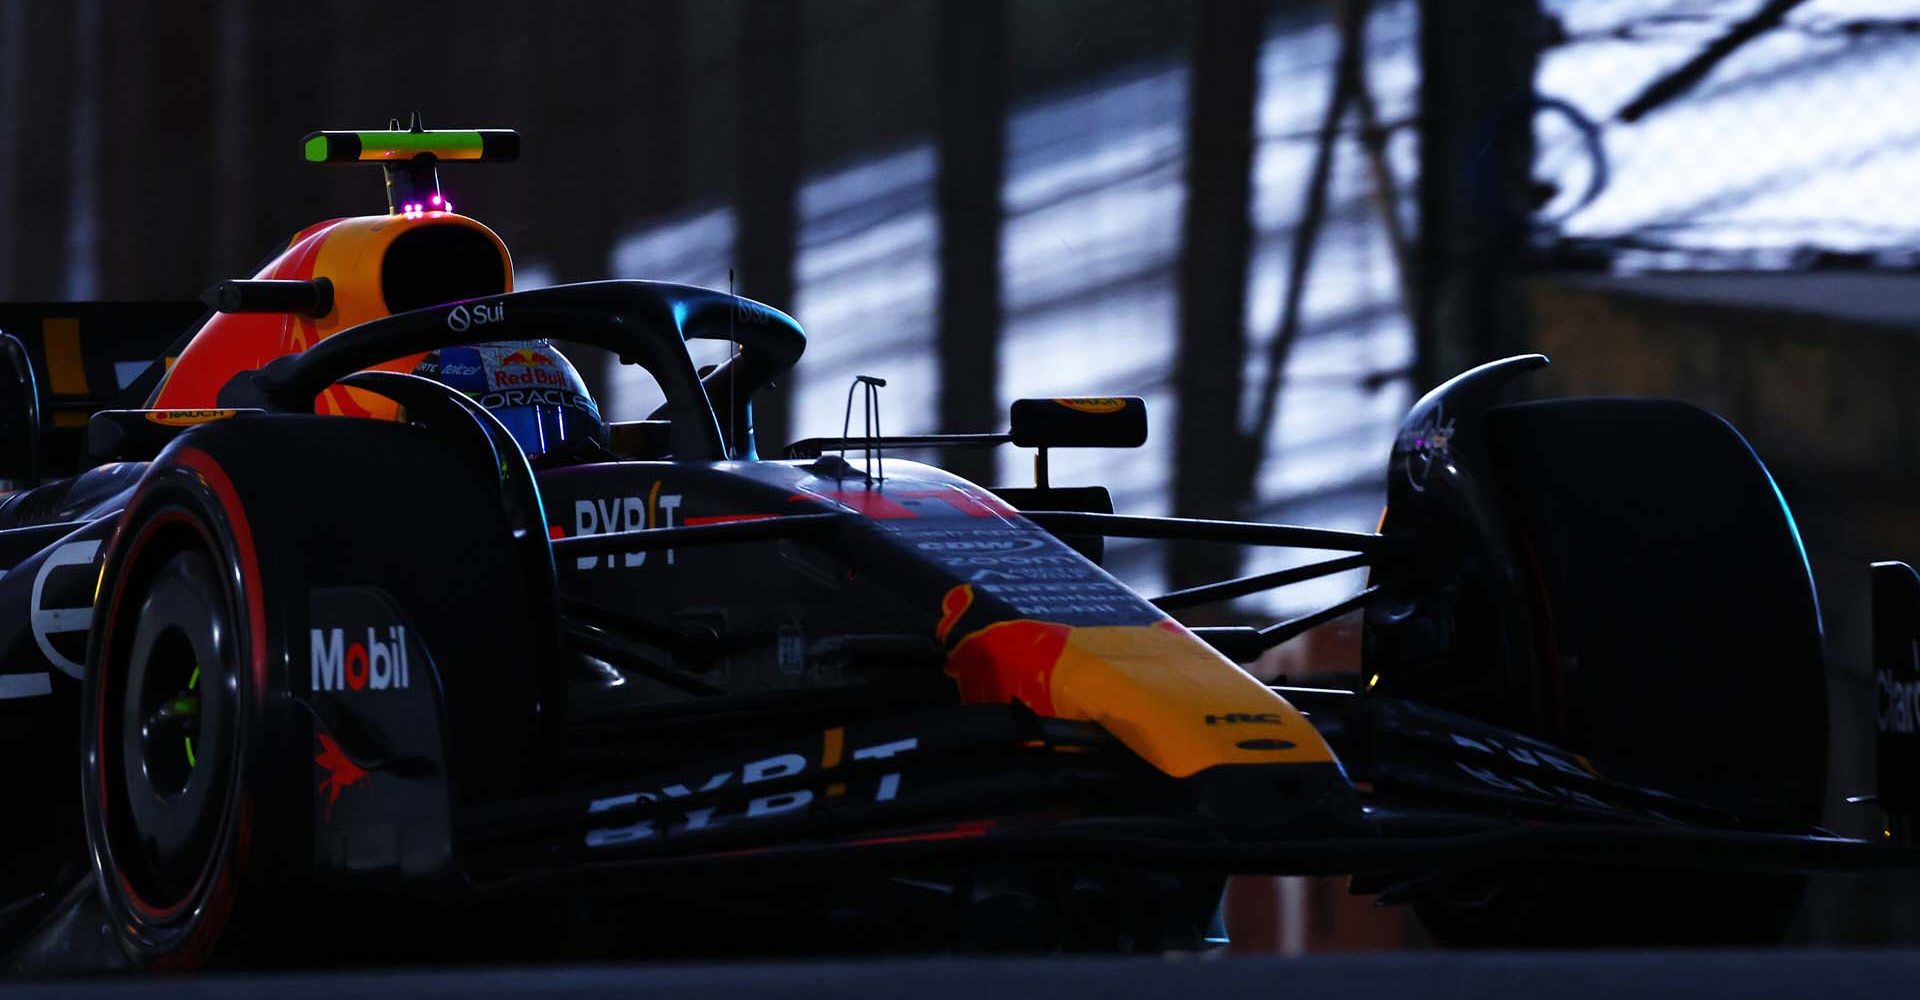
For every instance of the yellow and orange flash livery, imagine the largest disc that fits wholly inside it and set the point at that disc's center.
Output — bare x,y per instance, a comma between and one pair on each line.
1025,618
377,265
1157,688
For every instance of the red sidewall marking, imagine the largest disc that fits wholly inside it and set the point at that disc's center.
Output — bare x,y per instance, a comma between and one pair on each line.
139,902
219,899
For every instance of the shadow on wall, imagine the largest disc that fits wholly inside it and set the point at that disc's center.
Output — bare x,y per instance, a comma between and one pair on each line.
1093,198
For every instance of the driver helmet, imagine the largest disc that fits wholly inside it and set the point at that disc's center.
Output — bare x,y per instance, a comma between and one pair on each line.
531,388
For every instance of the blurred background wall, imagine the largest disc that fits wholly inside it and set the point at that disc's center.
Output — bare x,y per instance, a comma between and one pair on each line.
1277,220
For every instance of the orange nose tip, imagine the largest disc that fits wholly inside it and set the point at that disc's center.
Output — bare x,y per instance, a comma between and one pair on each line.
1158,689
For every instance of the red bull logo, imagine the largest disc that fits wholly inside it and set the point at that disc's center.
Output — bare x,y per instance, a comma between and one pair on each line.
954,606
1003,662
527,368
526,356
1010,661
342,773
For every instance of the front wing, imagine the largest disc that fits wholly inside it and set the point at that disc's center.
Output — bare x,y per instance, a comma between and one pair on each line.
1418,790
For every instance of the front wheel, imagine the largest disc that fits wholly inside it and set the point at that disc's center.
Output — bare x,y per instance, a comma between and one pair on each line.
1678,640
171,717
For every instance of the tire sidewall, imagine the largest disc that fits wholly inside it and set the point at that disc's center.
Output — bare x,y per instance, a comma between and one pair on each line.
185,502
1638,524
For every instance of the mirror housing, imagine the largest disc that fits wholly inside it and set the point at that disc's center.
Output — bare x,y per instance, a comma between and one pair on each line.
1079,422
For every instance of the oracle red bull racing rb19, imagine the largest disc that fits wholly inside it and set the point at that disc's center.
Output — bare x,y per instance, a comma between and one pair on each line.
342,627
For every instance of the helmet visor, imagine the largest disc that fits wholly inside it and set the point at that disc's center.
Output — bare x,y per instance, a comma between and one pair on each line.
544,419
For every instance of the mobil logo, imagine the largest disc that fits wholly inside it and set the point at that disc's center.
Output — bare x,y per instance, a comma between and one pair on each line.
369,659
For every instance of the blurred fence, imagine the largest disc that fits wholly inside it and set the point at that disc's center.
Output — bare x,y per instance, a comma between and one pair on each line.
1717,134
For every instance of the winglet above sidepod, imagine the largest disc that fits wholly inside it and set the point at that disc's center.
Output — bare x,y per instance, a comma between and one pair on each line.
1080,422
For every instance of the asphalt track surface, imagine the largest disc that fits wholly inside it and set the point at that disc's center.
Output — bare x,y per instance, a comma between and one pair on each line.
1429,976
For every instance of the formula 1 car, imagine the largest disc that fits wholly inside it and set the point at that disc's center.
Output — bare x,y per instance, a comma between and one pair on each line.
343,675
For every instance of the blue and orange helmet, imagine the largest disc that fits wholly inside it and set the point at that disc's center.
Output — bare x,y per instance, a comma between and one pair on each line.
530,387
419,254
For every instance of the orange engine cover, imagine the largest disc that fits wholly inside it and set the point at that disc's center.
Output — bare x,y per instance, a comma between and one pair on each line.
378,264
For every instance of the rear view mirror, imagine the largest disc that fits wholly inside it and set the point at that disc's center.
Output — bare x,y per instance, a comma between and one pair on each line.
19,415
1080,422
